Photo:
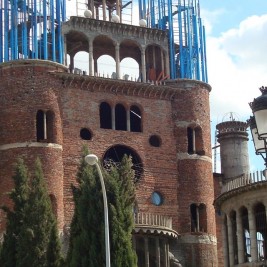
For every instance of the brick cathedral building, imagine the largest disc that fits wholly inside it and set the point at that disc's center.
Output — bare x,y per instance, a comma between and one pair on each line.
163,122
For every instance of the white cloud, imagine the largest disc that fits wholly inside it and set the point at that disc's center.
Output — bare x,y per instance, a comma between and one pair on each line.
237,66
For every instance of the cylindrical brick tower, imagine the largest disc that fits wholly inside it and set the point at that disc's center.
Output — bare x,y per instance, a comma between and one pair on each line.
31,127
195,182
233,138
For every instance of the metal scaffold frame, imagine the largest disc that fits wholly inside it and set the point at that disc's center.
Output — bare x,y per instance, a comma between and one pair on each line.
187,42
31,29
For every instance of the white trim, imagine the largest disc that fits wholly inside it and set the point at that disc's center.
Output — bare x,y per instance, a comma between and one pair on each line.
30,144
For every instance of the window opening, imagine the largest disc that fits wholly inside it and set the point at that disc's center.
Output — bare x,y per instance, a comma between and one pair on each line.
190,140
105,116
135,119
85,134
120,118
115,154
155,141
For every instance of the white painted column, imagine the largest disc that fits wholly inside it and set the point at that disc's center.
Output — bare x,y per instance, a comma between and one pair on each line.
91,59
253,235
117,59
45,126
143,64
128,112
113,122
146,252
240,238
230,241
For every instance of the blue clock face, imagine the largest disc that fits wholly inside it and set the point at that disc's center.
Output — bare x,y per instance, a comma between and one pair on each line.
156,198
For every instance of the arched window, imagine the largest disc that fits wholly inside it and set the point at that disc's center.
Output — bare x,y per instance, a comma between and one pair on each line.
198,218
45,126
105,116
40,126
135,119
195,141
120,118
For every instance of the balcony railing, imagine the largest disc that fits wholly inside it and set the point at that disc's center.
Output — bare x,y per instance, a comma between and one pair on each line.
148,219
243,180
147,223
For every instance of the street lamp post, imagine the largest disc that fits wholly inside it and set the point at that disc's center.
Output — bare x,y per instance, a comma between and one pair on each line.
258,124
92,159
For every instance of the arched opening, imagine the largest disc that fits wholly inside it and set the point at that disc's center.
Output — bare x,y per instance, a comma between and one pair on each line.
40,126
105,116
106,67
50,126
202,218
260,217
129,69
234,236
190,141
45,126
199,141
115,154
194,218
135,119
81,63
120,118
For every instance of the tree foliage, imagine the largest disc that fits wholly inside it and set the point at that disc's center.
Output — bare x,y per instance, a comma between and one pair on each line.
31,224
87,243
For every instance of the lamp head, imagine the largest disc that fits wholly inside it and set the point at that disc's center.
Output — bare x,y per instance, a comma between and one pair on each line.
91,159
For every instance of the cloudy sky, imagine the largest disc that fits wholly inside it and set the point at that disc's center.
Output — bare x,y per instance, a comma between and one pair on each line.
236,34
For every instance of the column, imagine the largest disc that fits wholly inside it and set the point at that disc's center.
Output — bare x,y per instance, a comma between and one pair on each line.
128,120
194,140
146,252
167,253
71,63
113,122
143,64
230,241
104,7
65,51
167,64
117,59
253,235
197,215
157,252
91,59
240,238
118,9
45,126
225,242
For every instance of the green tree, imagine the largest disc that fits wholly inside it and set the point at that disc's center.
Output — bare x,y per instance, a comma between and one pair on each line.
16,217
121,196
86,247
87,244
36,231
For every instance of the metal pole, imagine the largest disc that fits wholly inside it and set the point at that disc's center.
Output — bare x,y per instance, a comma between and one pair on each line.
105,215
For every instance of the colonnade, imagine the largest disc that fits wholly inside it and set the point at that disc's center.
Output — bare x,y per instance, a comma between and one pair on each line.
251,220
153,251
143,68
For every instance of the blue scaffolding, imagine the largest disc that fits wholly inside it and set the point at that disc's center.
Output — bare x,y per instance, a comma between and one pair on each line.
187,42
31,29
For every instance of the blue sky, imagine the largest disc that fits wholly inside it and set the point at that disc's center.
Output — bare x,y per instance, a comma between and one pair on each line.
236,33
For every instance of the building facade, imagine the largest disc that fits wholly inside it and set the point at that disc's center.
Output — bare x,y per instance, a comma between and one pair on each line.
51,111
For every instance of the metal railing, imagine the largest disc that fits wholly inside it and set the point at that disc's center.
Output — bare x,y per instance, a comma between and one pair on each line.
149,219
243,180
